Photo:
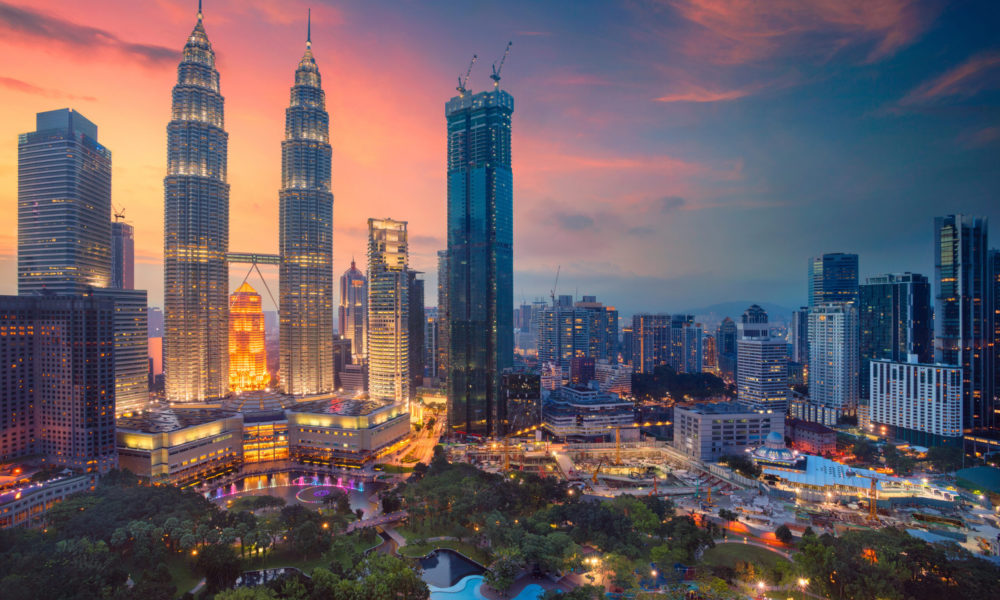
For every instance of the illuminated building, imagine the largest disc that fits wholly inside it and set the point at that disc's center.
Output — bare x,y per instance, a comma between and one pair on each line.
344,432
131,348
711,430
442,317
58,395
523,394
963,315
25,505
247,355
671,340
388,311
577,412
196,231
306,238
833,278
63,206
726,337
354,309
921,403
833,358
708,356
762,364
415,329
122,255
480,258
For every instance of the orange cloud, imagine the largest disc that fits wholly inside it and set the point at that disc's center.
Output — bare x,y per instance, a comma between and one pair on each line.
977,73
695,93
29,88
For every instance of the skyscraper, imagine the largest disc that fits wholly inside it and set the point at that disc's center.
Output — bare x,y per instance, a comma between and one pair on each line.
833,278
354,309
306,237
603,327
762,364
833,356
63,206
896,320
564,333
415,334
388,311
725,343
196,231
247,355
650,342
443,344
963,319
480,258
131,343
122,255
800,335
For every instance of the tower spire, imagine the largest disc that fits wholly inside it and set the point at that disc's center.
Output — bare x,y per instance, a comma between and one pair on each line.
199,10
308,28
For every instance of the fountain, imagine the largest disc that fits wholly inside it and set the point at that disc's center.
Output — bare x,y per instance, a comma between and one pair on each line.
326,480
232,489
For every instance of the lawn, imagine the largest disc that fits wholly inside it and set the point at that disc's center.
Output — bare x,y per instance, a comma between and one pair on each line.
727,555
417,550
411,532
180,571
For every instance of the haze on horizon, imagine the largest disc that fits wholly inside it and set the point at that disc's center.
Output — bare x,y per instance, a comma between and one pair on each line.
668,154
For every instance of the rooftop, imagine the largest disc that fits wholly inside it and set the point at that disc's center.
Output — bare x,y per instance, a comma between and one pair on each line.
338,406
172,419
718,408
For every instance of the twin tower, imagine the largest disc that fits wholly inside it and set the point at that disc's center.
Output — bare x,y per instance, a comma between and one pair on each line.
196,234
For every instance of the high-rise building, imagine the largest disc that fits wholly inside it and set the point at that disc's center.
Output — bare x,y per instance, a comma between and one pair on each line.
800,335
306,237
833,356
196,231
994,260
603,327
342,355
922,403
833,278
58,395
963,317
563,333
442,317
415,335
480,258
650,342
388,311
430,341
522,318
708,353
686,357
247,355
896,320
725,343
762,364
63,206
122,255
354,308
131,348
522,393
627,336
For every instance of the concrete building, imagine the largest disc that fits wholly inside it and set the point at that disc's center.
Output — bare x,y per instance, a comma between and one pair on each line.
614,377
388,311
709,431
833,357
811,438
762,365
415,329
122,255
919,403
26,505
799,338
726,338
131,348
584,413
342,432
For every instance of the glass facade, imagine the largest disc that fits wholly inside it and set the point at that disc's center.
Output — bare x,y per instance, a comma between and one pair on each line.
388,311
354,309
896,320
122,255
963,319
63,206
306,238
196,231
833,278
480,259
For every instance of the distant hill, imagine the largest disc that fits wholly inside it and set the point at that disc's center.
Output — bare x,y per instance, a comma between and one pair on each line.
717,312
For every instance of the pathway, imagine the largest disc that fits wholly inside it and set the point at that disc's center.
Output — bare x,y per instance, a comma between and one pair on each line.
379,520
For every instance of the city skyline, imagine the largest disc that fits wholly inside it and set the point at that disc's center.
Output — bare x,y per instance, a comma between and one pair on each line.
685,151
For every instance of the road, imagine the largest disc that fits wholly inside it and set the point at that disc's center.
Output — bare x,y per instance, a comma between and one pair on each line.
421,446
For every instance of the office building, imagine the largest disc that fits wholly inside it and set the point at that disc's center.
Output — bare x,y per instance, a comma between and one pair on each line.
442,315
833,278
811,438
563,333
63,206
691,360
963,316
709,355
431,342
342,355
522,318
58,398
603,327
709,431
247,355
306,237
896,320
762,364
799,335
650,342
131,348
354,309
122,255
626,345
388,311
354,379
522,393
416,326
833,357
613,377
196,231
584,413
480,258
726,337
919,403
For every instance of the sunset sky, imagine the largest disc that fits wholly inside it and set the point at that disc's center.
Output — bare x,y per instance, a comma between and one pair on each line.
668,155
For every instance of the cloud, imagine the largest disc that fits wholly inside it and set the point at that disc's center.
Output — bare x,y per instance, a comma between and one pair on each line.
696,93
977,73
669,204
741,31
17,21
574,222
30,88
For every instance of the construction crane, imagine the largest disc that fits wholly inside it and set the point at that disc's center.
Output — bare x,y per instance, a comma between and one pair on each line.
618,435
462,81
555,286
119,214
496,69
597,471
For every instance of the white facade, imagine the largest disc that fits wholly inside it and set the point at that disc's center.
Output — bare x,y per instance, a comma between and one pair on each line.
579,412
712,430
834,356
762,374
918,397
388,311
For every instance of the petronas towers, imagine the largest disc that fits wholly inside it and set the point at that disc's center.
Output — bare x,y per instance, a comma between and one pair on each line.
196,234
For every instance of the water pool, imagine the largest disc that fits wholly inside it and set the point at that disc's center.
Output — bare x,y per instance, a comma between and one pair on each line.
468,589
445,568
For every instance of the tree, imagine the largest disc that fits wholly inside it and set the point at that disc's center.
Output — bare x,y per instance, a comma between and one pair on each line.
504,570
945,458
784,534
243,593
623,571
742,465
308,539
219,565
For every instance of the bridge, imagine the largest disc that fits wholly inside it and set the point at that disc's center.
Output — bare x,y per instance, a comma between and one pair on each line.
379,520
253,258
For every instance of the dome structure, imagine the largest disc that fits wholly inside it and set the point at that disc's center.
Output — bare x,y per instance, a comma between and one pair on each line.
774,452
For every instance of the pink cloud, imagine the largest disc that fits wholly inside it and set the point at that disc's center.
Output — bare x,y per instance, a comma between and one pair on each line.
975,74
29,88
698,94
743,31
